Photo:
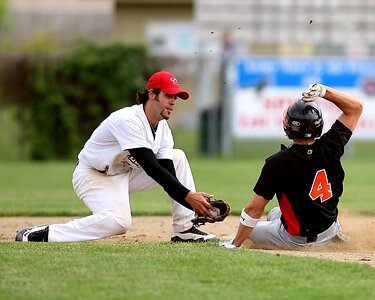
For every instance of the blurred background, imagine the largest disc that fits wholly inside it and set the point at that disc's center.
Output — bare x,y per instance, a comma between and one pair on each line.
65,65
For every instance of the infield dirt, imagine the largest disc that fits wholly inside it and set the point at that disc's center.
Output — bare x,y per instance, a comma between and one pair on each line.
360,247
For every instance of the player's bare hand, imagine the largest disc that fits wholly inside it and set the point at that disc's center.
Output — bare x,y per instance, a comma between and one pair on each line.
198,202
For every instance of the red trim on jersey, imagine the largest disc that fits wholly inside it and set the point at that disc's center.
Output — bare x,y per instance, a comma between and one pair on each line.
289,216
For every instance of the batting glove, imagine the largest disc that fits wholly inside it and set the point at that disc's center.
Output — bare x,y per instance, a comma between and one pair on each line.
227,244
315,90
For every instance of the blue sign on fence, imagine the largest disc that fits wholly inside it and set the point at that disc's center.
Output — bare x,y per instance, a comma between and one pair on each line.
336,72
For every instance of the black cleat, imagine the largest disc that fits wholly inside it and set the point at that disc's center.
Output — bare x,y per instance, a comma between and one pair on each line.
33,234
193,235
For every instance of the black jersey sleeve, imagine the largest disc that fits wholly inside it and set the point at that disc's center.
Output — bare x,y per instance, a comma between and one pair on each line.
163,172
266,185
336,138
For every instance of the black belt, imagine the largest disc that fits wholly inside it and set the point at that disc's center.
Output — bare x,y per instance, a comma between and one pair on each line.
311,238
314,237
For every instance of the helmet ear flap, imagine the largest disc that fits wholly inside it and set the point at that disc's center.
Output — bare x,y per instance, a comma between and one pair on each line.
303,120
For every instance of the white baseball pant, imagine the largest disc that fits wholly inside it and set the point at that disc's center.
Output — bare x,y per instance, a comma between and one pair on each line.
272,232
108,199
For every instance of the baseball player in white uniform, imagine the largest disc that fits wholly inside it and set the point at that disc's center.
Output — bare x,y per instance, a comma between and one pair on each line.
131,151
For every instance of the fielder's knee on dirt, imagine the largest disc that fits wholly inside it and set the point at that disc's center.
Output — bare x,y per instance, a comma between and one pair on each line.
118,223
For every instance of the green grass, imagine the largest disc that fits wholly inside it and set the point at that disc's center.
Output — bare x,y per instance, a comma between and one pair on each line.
45,189
95,270
172,271
29,188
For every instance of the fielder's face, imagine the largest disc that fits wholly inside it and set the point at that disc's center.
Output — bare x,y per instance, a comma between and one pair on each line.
164,104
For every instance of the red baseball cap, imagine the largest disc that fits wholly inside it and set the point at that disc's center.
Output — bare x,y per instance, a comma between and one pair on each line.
168,83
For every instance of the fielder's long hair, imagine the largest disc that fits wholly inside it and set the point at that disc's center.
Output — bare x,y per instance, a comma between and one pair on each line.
142,96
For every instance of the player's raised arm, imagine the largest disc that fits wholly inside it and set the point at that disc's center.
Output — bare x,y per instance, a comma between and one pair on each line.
350,106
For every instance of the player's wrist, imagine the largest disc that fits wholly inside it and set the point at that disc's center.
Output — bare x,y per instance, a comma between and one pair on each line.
247,220
323,90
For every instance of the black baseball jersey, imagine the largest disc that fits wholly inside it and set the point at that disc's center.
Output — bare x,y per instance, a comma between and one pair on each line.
307,181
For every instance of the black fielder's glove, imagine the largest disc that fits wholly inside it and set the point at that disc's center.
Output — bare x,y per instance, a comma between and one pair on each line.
219,212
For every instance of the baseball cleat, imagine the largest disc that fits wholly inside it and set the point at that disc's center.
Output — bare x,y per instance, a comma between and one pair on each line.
193,235
33,234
